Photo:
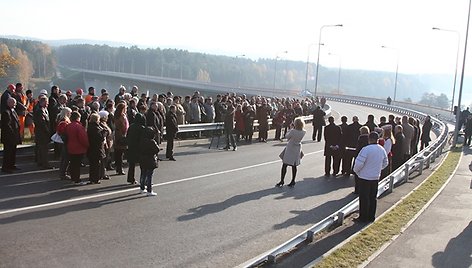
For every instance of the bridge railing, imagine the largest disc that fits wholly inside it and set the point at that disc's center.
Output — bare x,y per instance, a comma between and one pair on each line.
220,125
417,163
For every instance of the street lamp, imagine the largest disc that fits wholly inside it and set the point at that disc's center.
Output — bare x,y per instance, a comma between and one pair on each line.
457,61
396,72
458,114
318,60
307,65
275,68
339,70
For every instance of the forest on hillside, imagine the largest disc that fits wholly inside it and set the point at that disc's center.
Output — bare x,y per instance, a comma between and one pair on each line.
26,60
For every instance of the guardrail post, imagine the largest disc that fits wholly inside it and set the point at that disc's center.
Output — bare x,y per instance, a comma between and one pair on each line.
428,160
310,235
407,172
271,259
340,219
420,168
390,184
433,157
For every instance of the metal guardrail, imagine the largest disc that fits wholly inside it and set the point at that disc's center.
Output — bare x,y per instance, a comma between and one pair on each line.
220,125
417,163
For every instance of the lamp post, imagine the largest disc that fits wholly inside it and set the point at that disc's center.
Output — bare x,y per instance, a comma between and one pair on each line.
396,73
339,70
275,68
458,114
308,64
318,59
457,61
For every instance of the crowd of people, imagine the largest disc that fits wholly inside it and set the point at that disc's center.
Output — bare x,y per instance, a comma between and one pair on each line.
102,130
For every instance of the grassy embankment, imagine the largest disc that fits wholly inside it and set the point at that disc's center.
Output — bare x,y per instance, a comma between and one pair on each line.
361,247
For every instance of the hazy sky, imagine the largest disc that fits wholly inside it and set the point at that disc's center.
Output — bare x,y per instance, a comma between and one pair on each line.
261,28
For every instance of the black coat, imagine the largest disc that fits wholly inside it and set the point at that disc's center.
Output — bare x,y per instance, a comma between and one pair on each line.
333,137
397,151
352,134
362,142
10,126
96,135
425,131
171,124
318,117
42,129
148,150
134,136
152,120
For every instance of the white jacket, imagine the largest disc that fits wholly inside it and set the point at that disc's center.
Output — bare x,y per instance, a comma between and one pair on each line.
370,162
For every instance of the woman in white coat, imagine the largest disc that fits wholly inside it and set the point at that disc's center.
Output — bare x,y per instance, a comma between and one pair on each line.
292,153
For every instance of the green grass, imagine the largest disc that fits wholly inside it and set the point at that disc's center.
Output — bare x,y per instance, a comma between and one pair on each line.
361,247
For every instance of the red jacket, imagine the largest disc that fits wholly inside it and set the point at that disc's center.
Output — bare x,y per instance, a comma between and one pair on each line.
77,139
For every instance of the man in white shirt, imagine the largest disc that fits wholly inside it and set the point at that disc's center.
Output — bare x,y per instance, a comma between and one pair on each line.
368,165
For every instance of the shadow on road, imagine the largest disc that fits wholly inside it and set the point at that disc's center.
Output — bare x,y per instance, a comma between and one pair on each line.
305,188
311,216
458,252
52,212
61,191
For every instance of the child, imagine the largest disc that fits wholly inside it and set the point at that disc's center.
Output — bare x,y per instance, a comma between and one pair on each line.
148,149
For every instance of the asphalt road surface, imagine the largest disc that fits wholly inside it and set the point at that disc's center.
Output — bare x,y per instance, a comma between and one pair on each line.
214,208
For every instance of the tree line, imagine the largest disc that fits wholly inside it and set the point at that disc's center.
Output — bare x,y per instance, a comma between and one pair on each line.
22,60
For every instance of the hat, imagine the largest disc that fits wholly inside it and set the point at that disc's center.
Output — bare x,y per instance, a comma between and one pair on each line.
373,135
79,91
43,92
103,114
11,87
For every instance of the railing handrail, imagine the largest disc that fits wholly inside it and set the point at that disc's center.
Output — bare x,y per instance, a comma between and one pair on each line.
416,163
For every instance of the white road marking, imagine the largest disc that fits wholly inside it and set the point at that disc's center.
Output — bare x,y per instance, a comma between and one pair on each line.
136,189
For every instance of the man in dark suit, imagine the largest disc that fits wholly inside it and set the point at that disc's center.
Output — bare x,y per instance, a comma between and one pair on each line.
42,131
10,135
171,130
9,92
318,123
350,137
332,136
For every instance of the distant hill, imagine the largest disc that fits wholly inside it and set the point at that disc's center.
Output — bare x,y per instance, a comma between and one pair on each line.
64,42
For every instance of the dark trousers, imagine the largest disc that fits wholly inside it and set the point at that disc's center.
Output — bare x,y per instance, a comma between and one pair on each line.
146,179
336,162
119,160
229,137
43,155
75,160
131,169
367,199
64,162
94,169
263,132
278,131
317,132
9,156
347,161
102,171
170,146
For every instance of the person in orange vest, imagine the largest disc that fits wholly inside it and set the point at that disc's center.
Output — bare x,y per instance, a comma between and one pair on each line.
90,95
30,103
20,108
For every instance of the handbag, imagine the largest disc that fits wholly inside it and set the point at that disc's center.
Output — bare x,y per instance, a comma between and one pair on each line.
56,138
